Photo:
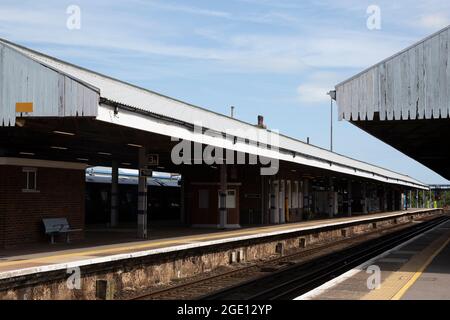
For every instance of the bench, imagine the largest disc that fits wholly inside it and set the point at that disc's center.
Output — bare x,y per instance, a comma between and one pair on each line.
56,226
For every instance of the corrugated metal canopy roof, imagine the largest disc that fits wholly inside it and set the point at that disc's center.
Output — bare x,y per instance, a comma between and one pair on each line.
130,95
412,84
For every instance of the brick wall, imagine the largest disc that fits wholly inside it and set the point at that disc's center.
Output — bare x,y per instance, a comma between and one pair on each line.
61,194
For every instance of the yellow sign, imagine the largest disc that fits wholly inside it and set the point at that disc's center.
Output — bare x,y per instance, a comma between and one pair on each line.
24,107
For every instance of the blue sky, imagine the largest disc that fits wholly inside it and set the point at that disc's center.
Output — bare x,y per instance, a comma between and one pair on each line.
271,57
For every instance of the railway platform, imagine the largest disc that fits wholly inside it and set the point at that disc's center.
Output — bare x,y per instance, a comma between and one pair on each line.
42,272
15,262
416,270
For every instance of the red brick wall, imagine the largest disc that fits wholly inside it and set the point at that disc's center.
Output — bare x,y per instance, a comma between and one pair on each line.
61,194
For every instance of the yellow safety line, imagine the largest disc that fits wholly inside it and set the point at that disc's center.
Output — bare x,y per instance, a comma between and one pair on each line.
211,236
416,276
398,282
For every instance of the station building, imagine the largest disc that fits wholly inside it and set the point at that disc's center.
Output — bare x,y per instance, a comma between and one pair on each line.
58,119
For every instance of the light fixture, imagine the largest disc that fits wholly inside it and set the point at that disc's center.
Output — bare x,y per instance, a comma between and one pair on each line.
105,153
20,123
58,148
82,159
134,145
64,133
161,168
27,153
126,163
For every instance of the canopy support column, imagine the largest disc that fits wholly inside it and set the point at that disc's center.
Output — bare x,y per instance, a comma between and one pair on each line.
142,195
114,218
223,212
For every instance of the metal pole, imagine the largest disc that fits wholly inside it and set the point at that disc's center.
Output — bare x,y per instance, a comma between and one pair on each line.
332,95
276,214
349,194
445,198
417,199
114,219
282,202
431,199
273,206
182,197
142,196
331,198
393,200
223,196
402,201
423,199
306,199
410,200
331,126
364,198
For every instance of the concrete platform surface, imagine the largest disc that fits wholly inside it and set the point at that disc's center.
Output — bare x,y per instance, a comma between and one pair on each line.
42,258
416,270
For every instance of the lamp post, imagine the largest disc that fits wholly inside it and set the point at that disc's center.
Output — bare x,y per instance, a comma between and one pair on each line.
332,95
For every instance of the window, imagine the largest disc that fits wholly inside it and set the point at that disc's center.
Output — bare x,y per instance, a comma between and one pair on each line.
30,182
203,199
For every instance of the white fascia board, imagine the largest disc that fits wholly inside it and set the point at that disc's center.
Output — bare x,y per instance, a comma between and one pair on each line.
137,121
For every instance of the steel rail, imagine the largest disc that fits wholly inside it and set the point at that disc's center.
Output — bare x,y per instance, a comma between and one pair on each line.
301,278
173,292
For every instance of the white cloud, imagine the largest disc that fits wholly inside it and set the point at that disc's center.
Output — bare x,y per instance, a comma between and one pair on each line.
312,93
187,9
314,90
230,49
434,21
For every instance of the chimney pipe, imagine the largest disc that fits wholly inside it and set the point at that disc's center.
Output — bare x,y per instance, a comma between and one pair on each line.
261,122
232,111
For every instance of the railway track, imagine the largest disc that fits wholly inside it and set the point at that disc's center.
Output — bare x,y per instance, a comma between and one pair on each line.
293,281
225,285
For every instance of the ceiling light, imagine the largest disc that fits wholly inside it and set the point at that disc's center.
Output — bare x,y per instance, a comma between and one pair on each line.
20,123
64,133
82,159
27,153
135,145
58,148
126,163
105,153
